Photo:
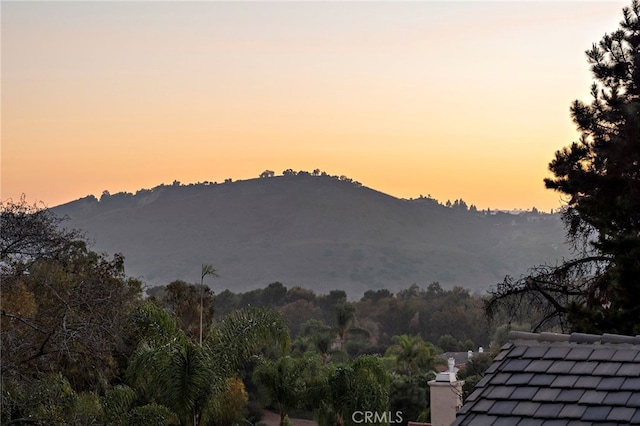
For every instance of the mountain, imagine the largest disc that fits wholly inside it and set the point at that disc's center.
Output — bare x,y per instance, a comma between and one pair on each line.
317,232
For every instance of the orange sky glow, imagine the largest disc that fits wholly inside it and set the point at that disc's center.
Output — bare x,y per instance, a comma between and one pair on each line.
450,99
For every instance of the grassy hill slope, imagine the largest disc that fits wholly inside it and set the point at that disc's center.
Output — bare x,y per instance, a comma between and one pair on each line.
313,231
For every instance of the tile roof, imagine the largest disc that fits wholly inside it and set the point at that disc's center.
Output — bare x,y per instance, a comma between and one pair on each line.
559,379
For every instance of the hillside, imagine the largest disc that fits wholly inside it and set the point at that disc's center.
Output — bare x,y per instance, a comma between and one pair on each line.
317,232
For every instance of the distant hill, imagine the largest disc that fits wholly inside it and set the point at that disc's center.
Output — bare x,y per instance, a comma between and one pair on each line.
318,232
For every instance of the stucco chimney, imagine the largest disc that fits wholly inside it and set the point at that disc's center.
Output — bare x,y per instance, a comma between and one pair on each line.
446,396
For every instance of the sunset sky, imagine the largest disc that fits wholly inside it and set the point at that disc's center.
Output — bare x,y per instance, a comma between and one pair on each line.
453,99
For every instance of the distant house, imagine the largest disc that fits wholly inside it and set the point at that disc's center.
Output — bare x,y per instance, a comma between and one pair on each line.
559,379
460,358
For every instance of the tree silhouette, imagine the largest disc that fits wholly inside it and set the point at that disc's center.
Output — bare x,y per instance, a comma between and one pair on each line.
600,177
345,314
206,270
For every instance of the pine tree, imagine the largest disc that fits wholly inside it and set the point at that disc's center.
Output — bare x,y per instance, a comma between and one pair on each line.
600,177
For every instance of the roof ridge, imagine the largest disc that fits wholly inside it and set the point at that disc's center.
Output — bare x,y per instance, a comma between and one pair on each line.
574,337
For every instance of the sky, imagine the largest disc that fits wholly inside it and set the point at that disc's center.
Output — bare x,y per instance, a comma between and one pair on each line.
448,99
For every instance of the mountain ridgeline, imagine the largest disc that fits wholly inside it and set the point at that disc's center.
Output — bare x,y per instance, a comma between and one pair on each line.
317,232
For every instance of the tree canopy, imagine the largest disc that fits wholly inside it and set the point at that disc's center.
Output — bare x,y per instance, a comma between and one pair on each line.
65,308
599,176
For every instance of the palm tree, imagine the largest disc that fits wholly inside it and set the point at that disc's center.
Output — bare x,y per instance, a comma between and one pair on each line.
317,334
345,314
412,352
174,371
322,341
282,382
362,385
167,367
206,270
241,333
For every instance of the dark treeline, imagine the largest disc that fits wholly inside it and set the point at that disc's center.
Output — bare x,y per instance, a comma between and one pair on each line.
451,320
410,333
123,198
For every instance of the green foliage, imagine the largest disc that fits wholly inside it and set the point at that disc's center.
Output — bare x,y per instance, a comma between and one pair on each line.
183,301
283,383
65,309
50,401
448,343
361,385
152,415
412,354
274,294
429,313
328,301
501,335
155,326
186,380
344,314
226,302
65,331
166,366
299,293
117,403
376,295
473,371
426,312
88,409
297,313
243,332
409,395
227,408
169,368
322,339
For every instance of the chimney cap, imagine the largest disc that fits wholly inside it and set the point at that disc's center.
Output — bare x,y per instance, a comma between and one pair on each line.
447,377
450,375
